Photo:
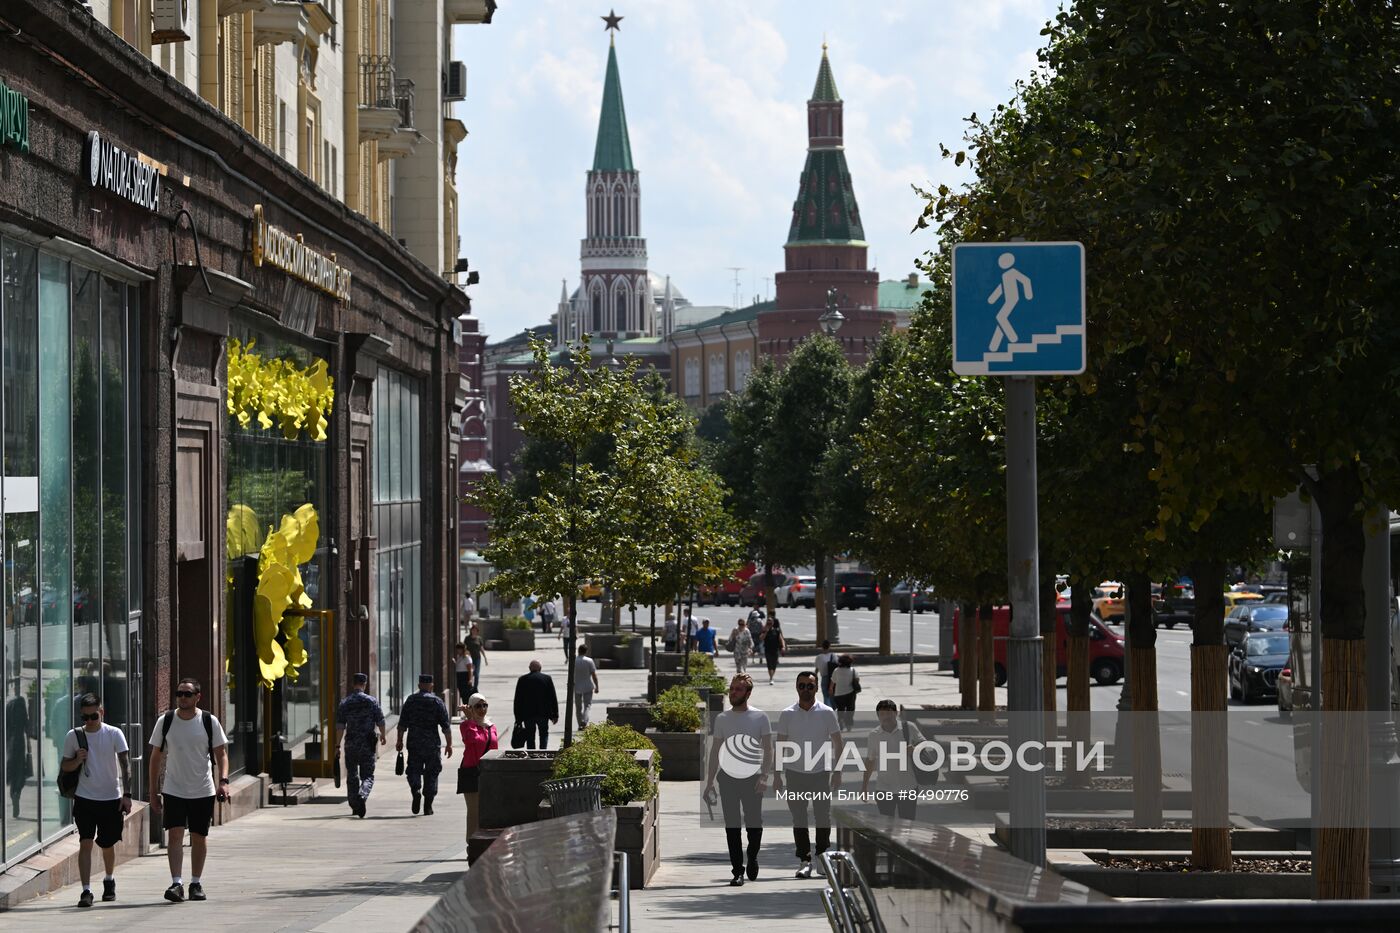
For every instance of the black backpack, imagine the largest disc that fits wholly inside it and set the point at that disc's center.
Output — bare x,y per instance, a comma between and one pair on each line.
205,715
68,780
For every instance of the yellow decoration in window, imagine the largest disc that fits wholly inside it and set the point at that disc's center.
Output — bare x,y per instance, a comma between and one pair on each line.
280,589
278,391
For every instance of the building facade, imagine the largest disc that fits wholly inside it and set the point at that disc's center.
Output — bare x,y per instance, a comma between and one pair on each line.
216,360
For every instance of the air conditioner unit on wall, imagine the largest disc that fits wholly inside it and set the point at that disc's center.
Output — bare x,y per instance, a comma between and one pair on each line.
455,85
170,20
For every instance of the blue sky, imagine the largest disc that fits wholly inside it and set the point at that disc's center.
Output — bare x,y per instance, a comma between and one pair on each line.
716,94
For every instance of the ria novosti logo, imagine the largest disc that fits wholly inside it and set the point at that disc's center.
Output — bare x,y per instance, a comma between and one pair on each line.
741,756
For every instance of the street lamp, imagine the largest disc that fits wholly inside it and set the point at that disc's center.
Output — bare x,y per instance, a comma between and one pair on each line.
832,318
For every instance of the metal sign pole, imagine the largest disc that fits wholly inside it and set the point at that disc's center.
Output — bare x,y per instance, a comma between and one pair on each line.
1024,647
912,597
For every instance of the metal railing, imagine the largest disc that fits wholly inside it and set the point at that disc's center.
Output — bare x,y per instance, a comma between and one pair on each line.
381,89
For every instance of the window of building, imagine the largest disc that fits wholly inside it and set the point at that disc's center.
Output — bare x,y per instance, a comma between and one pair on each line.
692,377
716,375
743,364
398,523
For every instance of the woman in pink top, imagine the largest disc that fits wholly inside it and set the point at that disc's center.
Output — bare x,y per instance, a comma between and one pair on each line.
478,737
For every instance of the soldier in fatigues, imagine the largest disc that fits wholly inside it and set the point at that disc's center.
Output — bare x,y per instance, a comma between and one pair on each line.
357,716
422,715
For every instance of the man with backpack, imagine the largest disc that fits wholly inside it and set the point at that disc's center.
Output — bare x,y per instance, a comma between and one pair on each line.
96,754
189,771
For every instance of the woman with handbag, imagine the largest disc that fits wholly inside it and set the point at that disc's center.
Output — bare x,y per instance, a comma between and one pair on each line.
886,744
845,684
478,737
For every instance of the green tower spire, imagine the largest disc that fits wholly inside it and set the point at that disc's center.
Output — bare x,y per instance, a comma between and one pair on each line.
826,84
825,212
613,152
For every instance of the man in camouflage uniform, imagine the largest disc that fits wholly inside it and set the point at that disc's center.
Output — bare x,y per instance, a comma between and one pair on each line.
424,713
357,716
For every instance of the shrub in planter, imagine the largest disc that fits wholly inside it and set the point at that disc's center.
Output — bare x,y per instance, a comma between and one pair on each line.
676,711
702,663
623,779
519,623
715,683
609,735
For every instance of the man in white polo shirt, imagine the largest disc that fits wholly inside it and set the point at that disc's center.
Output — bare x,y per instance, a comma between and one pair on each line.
104,792
812,728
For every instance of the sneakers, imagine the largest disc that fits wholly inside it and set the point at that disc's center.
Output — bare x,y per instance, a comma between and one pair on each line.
85,899
109,889
737,881
427,806
417,801
805,870
196,891
175,893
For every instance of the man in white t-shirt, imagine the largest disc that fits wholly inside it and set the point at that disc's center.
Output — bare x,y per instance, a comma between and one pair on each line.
741,732
812,775
585,682
824,661
187,744
104,792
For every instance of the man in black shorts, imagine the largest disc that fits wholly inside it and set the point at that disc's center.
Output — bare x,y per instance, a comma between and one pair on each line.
189,743
104,792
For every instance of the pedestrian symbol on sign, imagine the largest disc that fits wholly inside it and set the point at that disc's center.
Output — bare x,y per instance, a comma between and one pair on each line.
1012,281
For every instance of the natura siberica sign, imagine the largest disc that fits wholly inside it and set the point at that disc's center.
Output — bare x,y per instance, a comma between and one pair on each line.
14,118
123,173
277,247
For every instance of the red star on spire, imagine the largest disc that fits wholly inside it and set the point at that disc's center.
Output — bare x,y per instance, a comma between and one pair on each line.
612,20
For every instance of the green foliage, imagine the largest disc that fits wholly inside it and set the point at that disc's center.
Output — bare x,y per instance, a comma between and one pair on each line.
677,710
702,663
715,682
519,622
623,779
610,735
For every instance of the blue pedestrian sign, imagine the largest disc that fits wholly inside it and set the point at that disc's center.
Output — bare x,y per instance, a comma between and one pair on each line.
1018,309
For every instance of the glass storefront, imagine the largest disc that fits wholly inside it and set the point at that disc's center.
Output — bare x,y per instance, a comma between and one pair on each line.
398,524
268,476
67,493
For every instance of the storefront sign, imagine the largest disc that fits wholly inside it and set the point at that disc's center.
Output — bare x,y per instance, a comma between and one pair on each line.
124,174
277,247
14,118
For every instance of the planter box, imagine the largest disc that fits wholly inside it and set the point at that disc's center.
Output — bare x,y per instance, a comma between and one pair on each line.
682,755
510,786
601,645
638,834
636,715
659,683
630,656
519,639
668,662
492,629
1130,839
1196,885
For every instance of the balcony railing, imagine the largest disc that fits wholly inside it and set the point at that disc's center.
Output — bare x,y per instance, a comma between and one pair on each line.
381,90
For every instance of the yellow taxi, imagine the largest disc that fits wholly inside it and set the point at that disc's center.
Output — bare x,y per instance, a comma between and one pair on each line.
1110,601
1234,598
591,590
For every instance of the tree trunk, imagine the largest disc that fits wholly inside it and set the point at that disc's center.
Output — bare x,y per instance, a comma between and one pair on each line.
1049,653
1343,839
1210,738
819,603
886,601
986,661
572,641
1147,740
1077,676
967,655
652,694
770,600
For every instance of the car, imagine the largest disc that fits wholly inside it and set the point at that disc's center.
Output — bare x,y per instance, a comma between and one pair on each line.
726,593
1176,607
799,590
1277,597
1255,665
591,590
755,591
1106,647
1110,601
1260,617
857,588
922,597
1234,599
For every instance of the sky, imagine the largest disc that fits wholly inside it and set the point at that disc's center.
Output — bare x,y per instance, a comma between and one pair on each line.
716,99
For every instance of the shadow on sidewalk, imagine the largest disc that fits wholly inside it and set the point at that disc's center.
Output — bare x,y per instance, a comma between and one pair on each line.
750,902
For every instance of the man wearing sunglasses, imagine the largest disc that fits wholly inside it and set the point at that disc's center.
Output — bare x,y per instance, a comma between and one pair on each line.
104,792
188,745
812,727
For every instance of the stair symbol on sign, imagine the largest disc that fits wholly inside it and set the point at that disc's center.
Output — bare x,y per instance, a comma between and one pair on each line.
1036,342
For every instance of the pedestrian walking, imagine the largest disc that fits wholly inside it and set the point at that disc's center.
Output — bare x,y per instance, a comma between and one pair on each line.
478,737
566,625
889,742
468,607
358,715
536,705
824,665
755,624
773,645
423,715
477,649
585,683
742,792
465,669
668,634
688,630
103,798
845,684
19,760
741,643
189,748
813,775
705,639
548,614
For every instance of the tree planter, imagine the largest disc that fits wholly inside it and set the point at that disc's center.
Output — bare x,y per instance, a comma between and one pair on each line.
492,629
629,656
1173,882
636,715
510,786
661,682
682,754
638,834
519,639
601,645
